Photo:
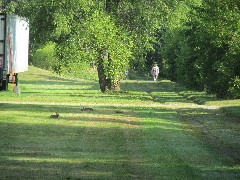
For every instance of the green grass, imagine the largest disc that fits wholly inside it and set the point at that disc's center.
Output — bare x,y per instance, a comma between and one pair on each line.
160,134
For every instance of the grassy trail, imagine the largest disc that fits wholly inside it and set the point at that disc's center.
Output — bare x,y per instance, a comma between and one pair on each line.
149,131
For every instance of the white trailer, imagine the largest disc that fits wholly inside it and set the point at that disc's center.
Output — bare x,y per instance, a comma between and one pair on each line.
14,46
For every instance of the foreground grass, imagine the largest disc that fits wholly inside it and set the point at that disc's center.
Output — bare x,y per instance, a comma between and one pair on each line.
149,131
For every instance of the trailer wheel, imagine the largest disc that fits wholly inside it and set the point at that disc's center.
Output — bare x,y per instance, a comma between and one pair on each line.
4,85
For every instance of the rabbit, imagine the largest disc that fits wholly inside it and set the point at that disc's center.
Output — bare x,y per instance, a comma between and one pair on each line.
86,109
54,116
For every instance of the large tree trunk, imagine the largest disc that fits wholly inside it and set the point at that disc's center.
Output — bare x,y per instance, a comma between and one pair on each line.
104,81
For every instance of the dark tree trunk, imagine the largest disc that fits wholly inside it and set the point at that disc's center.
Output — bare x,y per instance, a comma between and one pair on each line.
104,81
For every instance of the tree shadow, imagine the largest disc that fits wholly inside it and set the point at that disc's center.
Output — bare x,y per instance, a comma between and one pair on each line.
75,113
211,126
162,91
83,149
232,111
140,143
92,84
161,86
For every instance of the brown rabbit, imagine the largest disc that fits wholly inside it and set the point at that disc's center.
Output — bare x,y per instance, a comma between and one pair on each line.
86,109
54,116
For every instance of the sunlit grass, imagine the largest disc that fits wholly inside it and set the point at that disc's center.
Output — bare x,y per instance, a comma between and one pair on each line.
147,131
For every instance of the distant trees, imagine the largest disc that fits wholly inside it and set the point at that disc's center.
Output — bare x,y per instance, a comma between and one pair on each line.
202,46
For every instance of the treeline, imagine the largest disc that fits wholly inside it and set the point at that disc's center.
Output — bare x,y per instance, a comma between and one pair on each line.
195,42
202,46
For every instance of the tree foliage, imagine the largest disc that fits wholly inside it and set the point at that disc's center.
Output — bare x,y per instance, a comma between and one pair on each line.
82,31
201,46
107,33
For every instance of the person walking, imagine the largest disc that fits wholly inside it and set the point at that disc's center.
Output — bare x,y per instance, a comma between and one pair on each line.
155,71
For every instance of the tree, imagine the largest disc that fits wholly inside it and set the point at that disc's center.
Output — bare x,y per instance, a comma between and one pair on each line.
108,33
203,39
82,31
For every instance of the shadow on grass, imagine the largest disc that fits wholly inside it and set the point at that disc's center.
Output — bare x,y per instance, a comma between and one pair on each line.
145,91
61,149
141,143
198,97
78,157
162,91
54,81
99,114
60,152
218,131
149,86
233,111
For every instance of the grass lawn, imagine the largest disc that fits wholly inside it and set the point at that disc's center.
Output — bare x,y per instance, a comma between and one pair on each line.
149,131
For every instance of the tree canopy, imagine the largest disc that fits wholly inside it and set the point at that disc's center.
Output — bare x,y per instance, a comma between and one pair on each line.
107,33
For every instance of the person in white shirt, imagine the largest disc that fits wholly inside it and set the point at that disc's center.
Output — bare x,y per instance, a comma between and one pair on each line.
155,71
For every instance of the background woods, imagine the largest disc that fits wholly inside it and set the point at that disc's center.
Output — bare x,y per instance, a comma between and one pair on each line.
195,42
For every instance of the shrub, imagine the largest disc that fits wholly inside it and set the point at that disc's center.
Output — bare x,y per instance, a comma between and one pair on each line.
44,57
235,88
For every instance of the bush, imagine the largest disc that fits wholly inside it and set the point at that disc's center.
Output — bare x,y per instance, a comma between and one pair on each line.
44,57
235,88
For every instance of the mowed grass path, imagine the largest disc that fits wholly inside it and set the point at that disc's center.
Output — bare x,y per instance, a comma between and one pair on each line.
148,131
